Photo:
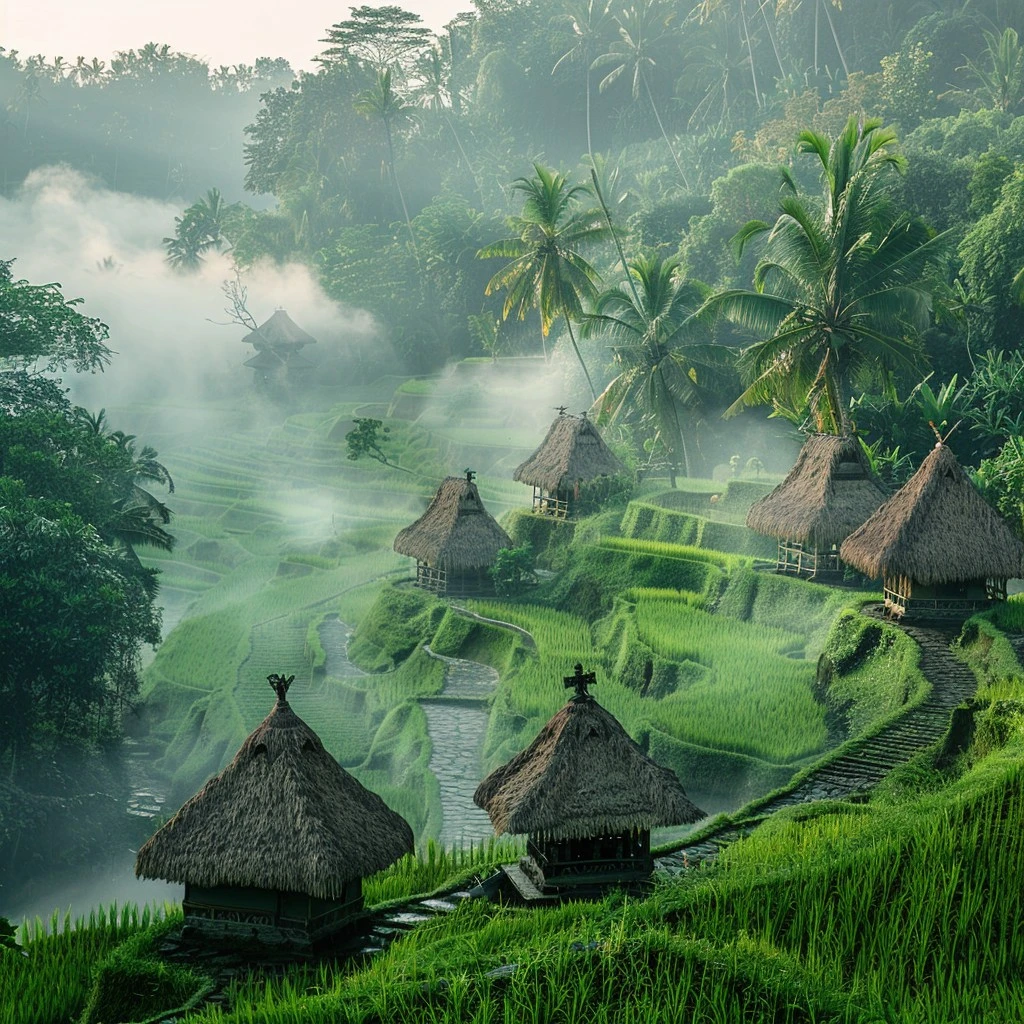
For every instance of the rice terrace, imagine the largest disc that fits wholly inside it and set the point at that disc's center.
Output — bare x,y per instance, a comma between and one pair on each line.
513,515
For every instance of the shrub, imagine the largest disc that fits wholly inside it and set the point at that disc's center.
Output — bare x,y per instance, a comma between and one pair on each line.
513,570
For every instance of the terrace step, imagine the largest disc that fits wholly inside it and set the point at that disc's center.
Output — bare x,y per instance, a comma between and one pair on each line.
856,771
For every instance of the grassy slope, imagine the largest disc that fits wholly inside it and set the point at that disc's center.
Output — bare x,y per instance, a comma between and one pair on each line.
905,909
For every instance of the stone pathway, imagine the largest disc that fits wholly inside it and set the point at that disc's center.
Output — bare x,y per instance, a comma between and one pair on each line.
456,725
334,639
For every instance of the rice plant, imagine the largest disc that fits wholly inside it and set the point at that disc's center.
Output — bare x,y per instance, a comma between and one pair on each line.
755,676
666,549
48,980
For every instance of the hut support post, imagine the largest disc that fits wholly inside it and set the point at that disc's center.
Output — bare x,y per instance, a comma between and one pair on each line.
547,504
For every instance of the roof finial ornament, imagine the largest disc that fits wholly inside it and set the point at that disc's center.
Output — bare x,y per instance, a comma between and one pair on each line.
561,409
280,686
580,681
470,475
939,439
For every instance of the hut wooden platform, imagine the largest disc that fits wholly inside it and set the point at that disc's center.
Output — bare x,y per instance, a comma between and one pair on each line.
587,797
828,493
455,542
272,850
571,456
939,548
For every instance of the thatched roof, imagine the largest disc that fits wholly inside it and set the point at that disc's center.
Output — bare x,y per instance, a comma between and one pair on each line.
266,359
283,815
456,533
583,776
572,453
280,331
936,529
828,493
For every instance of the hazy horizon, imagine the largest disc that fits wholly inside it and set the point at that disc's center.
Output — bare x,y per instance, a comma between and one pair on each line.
228,33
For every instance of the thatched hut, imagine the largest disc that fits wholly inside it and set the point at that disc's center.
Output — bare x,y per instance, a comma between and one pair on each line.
571,456
587,797
273,850
939,548
829,492
455,542
278,341
279,332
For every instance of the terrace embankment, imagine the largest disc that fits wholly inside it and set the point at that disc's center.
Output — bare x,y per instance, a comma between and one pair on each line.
861,765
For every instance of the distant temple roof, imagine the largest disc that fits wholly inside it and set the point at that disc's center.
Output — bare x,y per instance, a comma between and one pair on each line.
280,331
283,815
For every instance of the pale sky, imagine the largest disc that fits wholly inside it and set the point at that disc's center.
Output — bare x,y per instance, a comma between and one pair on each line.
222,31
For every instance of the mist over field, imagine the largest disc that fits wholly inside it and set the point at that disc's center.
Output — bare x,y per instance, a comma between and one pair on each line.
171,335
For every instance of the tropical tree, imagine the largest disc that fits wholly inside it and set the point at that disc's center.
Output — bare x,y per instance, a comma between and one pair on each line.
381,37
643,28
663,353
547,270
383,103
998,78
198,230
38,326
840,291
137,515
590,20
433,92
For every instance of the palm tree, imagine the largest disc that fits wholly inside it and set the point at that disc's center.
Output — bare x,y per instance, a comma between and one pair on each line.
590,21
999,80
641,29
382,102
197,231
663,352
547,270
840,290
433,93
136,515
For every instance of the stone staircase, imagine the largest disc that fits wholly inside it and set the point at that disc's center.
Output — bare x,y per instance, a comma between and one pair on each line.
456,724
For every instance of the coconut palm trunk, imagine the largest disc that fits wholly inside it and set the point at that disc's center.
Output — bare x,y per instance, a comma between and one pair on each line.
398,186
664,134
579,355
